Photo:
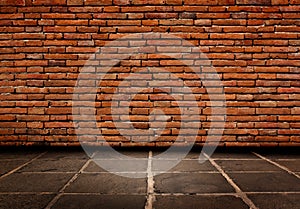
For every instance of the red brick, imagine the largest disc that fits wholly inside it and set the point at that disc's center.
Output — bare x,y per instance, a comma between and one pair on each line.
98,2
49,2
149,2
75,2
12,3
161,15
57,29
199,2
253,2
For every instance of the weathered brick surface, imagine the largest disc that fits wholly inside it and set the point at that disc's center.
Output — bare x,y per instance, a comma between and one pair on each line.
253,45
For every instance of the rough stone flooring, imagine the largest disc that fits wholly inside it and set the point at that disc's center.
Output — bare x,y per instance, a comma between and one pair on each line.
69,179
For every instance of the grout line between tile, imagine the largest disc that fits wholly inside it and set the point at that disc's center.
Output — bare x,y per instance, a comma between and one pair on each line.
61,191
273,192
49,172
150,184
289,159
239,192
22,166
237,159
27,193
153,172
278,165
253,172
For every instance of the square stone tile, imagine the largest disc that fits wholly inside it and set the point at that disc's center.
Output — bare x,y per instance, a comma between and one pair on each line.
292,165
191,183
276,201
175,154
108,183
54,165
281,154
182,166
33,182
20,201
65,155
131,155
234,155
101,202
266,182
199,202
8,165
117,165
135,153
224,155
94,167
246,165
18,155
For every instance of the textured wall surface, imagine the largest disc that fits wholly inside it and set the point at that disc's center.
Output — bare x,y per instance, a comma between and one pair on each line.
253,45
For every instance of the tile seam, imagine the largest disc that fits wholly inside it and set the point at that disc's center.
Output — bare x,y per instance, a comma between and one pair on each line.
239,192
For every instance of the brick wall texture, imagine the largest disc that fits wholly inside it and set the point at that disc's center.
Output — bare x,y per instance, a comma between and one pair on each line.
252,44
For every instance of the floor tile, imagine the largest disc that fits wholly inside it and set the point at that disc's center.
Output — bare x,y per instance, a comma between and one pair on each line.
199,202
97,165
101,202
10,201
8,165
138,165
54,165
64,155
224,155
28,182
276,201
191,183
93,167
135,154
183,166
107,183
20,155
293,165
107,154
283,154
234,155
246,165
266,182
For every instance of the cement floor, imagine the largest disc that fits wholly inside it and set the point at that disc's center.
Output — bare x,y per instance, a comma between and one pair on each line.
228,180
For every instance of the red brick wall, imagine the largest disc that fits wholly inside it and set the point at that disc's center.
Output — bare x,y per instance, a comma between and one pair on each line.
253,45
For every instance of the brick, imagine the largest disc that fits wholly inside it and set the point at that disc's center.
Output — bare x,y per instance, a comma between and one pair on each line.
121,2
199,2
229,22
49,2
57,29
253,2
294,2
97,2
12,3
71,22
174,2
149,2
161,15
280,2
123,22
75,2
31,63
58,124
